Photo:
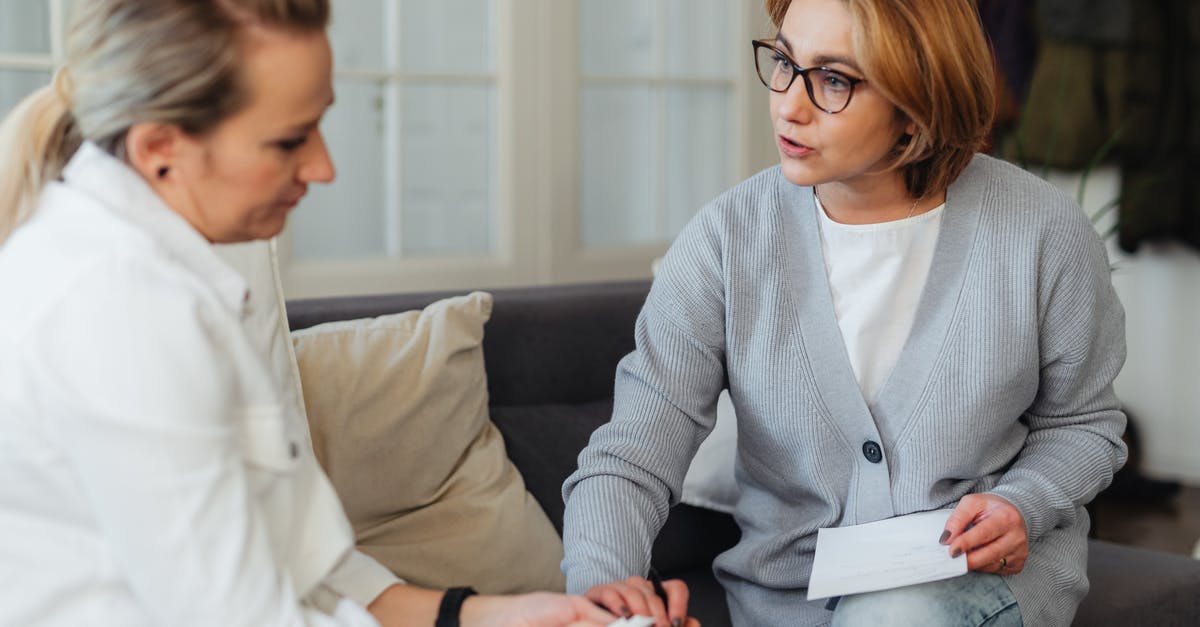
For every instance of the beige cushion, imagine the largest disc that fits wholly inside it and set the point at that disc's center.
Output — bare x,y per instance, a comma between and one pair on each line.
397,406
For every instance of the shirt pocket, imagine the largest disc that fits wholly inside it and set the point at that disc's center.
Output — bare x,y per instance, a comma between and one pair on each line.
270,449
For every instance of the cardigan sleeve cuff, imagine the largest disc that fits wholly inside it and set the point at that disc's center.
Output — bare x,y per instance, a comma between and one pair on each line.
1033,509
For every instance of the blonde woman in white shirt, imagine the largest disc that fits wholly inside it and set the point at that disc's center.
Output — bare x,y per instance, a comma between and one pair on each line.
151,476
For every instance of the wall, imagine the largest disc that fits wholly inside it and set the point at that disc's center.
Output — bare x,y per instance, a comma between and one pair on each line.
1160,385
1160,287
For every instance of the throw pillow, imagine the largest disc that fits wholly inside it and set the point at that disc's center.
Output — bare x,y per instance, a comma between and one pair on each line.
398,410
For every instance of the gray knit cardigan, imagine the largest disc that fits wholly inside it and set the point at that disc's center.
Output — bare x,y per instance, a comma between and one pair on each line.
1004,386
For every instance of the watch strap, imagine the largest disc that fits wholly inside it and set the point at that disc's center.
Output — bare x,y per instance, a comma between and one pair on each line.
451,605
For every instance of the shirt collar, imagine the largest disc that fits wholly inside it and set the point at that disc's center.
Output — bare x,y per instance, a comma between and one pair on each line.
122,191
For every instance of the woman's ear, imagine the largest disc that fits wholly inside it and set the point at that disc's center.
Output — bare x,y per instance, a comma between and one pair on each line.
153,149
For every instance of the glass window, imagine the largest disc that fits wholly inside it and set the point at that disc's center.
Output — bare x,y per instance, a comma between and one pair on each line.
358,31
697,164
447,162
16,84
347,220
25,26
618,162
412,135
617,37
699,39
440,36
613,121
656,116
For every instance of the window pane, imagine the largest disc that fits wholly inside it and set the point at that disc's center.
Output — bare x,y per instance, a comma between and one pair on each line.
618,162
346,219
700,38
16,84
25,26
447,160
357,32
698,159
617,37
447,35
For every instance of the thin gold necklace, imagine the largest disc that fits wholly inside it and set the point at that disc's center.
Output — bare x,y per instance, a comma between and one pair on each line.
911,210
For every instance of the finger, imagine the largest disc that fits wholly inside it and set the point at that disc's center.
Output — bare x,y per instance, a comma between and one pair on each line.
999,524
655,608
692,622
611,599
1015,566
587,610
677,599
1003,554
987,558
985,532
639,595
1015,562
961,518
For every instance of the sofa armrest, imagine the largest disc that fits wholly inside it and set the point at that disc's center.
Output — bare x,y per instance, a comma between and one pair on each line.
1136,586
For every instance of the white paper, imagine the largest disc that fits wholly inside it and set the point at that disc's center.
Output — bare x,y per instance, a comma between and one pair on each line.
890,553
633,621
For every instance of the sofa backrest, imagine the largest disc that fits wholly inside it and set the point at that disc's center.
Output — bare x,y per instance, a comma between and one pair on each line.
551,356
543,345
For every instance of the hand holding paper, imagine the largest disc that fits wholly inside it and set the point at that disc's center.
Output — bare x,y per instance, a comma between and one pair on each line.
890,553
991,531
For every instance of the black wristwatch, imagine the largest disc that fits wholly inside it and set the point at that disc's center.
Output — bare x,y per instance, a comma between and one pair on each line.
451,605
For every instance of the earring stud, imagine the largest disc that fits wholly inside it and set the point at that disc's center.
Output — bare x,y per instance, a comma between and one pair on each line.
162,172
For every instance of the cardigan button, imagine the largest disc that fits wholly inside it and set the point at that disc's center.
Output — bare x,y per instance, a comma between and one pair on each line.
872,452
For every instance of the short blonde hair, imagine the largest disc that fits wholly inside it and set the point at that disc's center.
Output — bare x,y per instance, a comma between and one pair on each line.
131,61
932,60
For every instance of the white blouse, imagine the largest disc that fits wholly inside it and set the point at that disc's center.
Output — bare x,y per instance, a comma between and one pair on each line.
152,473
876,275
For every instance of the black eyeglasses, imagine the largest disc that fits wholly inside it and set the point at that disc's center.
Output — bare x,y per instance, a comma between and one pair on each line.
778,71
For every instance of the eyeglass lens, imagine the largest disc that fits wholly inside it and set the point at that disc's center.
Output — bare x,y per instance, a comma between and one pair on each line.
830,90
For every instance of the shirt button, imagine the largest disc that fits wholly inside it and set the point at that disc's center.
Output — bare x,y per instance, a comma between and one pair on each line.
295,450
872,452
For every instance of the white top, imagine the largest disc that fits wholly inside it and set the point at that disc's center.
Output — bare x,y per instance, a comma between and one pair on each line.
151,473
876,275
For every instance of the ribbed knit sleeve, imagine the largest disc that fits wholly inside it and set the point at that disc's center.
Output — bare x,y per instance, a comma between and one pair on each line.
1075,423
665,403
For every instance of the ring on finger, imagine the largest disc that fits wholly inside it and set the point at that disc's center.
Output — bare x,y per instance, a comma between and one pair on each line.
1003,563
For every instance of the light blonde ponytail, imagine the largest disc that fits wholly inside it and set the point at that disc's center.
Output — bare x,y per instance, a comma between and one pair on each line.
37,138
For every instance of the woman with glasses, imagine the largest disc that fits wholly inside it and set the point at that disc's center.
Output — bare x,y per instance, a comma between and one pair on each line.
903,325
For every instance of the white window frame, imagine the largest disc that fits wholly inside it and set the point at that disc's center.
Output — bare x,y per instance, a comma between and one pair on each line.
572,262
537,213
43,62
537,192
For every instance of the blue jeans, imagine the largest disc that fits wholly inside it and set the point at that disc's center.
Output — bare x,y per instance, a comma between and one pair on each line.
972,600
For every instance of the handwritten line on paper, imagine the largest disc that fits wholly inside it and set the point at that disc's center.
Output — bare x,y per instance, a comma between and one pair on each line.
890,553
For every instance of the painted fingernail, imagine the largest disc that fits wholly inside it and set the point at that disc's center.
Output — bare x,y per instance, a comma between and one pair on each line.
945,537
955,552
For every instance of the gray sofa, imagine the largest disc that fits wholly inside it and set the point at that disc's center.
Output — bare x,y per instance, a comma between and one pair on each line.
551,354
